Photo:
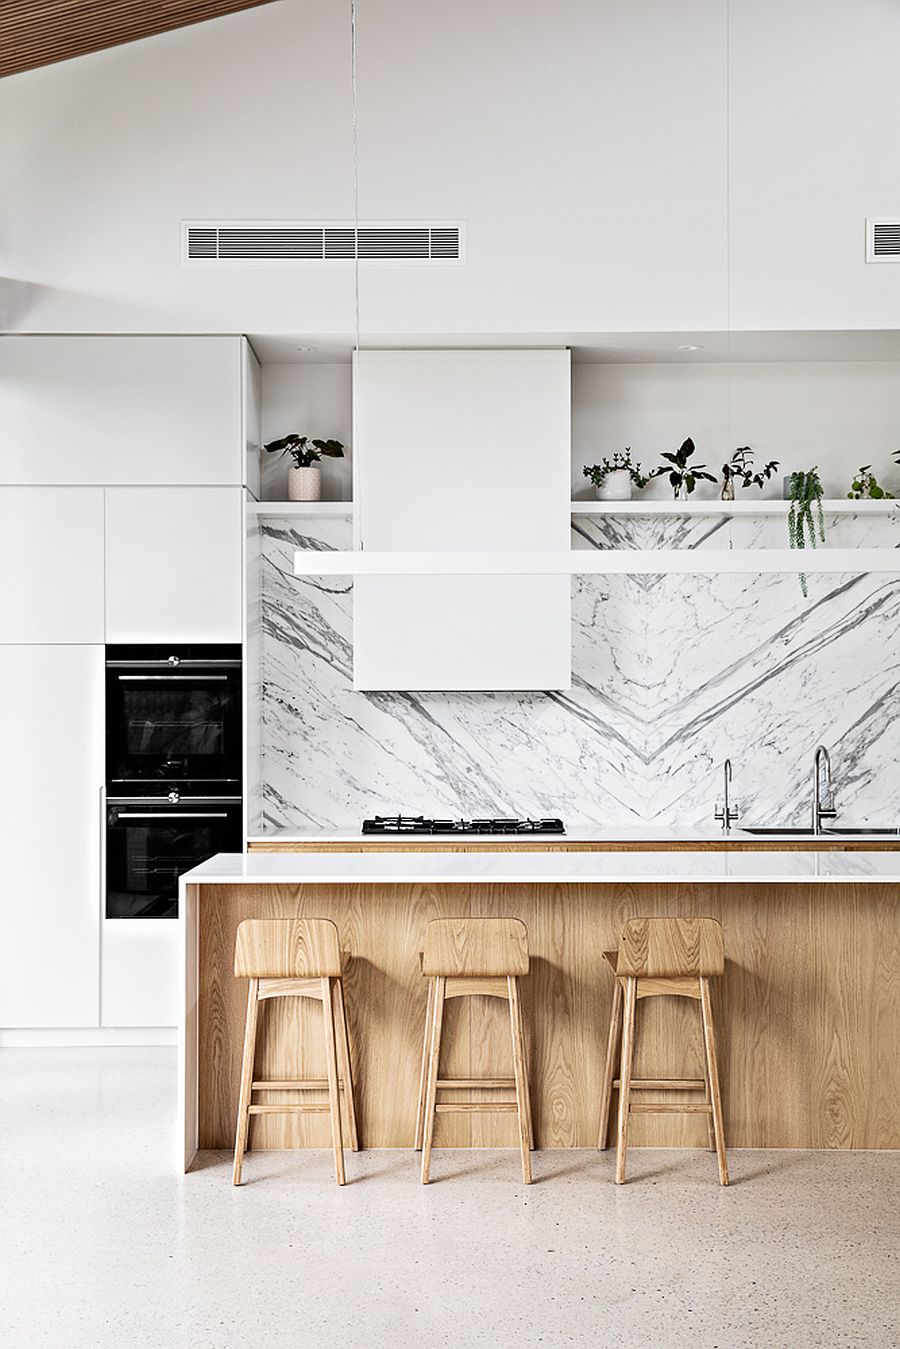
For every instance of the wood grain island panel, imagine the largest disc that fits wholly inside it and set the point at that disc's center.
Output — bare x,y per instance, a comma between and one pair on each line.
808,1012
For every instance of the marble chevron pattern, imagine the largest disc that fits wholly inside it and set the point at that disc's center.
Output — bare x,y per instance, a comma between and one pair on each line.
670,675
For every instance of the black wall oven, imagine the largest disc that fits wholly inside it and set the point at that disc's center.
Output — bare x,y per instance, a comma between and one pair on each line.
173,770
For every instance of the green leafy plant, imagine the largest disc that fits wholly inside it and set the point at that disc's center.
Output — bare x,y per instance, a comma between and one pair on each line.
740,468
865,486
682,474
303,450
805,493
621,462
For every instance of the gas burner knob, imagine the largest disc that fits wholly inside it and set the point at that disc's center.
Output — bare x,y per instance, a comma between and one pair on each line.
173,798
174,660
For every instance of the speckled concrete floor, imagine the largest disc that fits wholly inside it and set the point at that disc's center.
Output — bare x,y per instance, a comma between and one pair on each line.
103,1247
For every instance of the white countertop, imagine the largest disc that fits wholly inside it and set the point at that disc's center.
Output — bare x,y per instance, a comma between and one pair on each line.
435,867
587,833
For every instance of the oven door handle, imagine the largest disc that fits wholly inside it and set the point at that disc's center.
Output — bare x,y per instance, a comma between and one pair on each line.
172,815
144,679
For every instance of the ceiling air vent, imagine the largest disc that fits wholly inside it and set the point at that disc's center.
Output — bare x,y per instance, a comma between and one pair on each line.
883,239
210,241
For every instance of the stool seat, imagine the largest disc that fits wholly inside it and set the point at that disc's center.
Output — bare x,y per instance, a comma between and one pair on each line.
301,958
673,957
464,957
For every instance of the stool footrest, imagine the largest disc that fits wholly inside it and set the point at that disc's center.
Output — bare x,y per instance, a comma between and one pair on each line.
473,1107
466,1083
664,1084
669,1108
290,1109
296,1084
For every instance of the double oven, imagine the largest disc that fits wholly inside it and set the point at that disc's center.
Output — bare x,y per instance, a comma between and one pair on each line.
173,770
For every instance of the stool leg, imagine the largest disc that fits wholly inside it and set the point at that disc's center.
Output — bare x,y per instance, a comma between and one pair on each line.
423,1072
518,1048
528,1117
334,1095
625,1078
612,1044
243,1117
707,1096
713,1074
434,1054
346,1067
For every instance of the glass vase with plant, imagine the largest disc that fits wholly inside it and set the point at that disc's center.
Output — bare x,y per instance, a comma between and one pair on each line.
740,469
614,478
804,528
304,476
682,474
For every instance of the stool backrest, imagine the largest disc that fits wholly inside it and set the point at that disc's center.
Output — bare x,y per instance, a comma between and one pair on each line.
287,948
475,947
666,948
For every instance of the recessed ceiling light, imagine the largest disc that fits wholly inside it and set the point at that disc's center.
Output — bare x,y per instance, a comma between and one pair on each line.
688,346
305,348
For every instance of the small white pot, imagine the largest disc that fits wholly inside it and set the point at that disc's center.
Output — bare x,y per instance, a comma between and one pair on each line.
615,486
305,484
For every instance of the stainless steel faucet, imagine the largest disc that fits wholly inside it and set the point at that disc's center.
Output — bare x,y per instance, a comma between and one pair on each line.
822,811
727,813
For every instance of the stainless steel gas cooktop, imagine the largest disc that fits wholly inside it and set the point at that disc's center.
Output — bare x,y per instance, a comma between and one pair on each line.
419,824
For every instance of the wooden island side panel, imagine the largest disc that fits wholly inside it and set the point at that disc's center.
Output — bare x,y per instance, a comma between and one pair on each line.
808,1012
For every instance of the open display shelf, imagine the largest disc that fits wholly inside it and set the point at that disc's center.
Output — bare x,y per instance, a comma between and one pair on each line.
766,506
307,509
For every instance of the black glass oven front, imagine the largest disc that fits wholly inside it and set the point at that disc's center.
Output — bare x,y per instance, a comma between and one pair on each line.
173,718
150,842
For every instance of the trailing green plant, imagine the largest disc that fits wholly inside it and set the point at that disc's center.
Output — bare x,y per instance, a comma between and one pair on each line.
740,468
805,492
866,487
305,451
621,462
682,474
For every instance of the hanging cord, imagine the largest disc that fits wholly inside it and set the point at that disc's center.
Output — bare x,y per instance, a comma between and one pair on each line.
357,536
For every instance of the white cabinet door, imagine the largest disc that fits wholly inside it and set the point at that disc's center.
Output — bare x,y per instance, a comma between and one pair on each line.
462,451
123,409
174,564
140,972
51,741
51,559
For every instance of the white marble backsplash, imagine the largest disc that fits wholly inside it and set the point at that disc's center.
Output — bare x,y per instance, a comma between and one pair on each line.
671,674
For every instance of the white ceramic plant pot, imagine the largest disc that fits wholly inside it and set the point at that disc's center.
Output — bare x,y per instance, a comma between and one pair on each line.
305,484
615,486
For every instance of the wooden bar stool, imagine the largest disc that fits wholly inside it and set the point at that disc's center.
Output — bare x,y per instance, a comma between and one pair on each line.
462,957
295,958
657,956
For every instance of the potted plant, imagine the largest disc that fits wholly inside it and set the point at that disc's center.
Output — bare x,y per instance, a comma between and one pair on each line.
740,468
613,478
866,487
804,493
305,476
682,474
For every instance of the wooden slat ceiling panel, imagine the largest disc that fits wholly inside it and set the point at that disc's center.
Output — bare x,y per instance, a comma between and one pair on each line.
40,33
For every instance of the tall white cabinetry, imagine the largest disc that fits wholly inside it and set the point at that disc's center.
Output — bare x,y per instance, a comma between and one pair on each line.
462,451
51,734
122,478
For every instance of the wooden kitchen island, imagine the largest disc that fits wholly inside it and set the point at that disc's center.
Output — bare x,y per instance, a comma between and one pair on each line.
808,1012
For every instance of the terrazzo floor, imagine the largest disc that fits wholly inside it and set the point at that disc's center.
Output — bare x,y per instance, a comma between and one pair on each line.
103,1246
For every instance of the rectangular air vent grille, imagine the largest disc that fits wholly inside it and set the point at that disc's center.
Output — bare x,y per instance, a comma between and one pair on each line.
883,239
258,241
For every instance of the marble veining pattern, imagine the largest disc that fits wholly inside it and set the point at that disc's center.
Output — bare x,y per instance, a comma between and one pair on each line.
670,674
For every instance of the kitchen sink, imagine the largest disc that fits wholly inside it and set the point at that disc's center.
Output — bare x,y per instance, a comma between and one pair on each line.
776,831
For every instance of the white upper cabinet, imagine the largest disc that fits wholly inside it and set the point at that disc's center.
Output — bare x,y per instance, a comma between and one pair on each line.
174,564
51,559
462,451
122,409
51,730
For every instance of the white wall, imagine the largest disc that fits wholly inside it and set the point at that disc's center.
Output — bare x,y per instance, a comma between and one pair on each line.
584,144
838,415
